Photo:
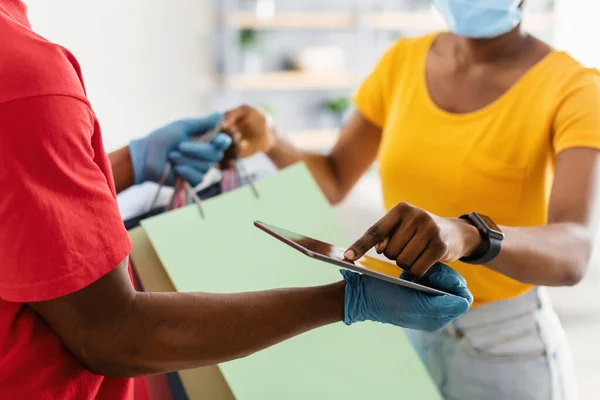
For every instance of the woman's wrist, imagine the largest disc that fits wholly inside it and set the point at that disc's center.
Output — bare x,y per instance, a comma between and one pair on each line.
473,243
275,138
281,152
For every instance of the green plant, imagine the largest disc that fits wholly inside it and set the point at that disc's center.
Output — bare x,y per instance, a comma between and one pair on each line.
338,106
248,39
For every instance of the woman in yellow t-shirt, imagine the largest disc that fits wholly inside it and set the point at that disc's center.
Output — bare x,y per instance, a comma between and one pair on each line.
488,119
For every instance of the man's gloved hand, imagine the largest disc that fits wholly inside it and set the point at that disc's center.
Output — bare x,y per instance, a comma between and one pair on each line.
173,142
372,299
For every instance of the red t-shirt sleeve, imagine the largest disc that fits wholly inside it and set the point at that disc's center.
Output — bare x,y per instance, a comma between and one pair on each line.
60,225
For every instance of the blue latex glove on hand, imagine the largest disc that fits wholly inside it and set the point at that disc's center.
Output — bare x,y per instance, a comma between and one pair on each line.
173,142
192,160
372,299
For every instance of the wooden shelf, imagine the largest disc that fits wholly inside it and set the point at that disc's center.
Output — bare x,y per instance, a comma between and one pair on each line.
404,20
385,20
296,20
294,80
427,21
318,139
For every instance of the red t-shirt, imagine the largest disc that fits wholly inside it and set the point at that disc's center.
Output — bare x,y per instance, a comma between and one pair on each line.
60,229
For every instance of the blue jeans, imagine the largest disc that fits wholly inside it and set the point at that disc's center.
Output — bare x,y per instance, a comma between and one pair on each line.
513,349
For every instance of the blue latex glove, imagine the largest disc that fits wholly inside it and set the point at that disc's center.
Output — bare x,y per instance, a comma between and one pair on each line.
149,155
372,299
192,160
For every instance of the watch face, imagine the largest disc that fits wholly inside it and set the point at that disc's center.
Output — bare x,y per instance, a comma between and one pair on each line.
495,231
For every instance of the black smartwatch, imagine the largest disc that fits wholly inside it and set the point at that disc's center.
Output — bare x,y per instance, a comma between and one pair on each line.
491,238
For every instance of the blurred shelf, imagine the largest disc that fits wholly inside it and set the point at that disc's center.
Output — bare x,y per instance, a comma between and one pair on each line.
318,139
296,20
428,20
382,21
388,20
294,80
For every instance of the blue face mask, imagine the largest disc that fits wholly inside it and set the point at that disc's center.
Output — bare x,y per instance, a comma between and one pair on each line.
480,19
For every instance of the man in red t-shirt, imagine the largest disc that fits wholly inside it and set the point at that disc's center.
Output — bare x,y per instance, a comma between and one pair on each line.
72,325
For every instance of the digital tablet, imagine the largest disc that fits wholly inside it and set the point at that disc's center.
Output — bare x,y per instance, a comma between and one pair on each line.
335,255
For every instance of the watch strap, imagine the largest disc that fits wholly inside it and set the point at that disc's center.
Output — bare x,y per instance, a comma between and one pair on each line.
492,250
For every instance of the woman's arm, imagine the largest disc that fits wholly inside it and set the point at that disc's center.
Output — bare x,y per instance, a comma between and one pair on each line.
336,172
556,254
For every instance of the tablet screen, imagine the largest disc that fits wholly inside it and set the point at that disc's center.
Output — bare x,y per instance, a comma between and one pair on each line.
330,253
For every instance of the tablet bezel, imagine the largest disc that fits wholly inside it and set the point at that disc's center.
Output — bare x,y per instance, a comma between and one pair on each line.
344,264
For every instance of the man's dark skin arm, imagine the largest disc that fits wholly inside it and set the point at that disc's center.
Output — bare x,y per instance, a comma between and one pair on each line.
115,331
122,169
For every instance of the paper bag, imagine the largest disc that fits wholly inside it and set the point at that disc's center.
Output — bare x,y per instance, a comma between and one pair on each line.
225,253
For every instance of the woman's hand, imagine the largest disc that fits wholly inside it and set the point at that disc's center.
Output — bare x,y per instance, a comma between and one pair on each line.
252,130
417,239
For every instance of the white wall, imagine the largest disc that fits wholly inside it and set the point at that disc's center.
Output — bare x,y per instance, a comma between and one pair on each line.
578,29
141,59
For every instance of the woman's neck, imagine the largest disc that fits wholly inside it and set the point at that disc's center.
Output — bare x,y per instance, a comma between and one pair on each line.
506,47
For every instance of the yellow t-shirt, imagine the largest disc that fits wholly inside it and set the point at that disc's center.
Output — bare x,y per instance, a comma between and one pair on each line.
498,160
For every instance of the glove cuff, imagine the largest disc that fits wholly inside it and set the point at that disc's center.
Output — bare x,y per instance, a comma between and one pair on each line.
137,152
353,295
